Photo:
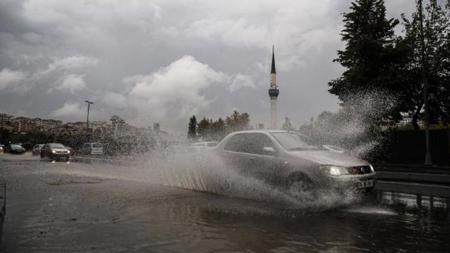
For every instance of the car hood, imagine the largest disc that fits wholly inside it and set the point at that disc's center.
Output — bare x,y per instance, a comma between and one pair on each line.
323,157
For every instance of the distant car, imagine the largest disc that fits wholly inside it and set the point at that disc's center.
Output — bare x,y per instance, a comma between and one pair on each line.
15,149
37,149
93,148
55,151
290,160
2,148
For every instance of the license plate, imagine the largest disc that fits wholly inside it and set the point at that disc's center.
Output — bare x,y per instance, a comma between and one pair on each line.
365,183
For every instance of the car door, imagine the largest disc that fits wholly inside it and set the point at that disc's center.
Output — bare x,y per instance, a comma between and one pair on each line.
263,162
234,154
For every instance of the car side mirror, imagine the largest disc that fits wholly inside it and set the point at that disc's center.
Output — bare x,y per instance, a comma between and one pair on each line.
269,150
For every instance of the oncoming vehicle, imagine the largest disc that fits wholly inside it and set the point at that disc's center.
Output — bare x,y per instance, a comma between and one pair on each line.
288,159
55,151
94,148
37,149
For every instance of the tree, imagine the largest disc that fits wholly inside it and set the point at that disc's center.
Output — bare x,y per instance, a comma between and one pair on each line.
192,128
427,70
287,125
217,129
117,123
370,57
237,121
203,128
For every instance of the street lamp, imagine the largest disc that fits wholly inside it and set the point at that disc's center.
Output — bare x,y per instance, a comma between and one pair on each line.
89,103
424,70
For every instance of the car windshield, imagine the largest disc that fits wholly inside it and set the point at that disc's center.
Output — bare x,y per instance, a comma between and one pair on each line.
97,145
56,145
15,146
293,141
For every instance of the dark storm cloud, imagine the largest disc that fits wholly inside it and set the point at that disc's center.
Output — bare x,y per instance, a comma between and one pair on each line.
165,60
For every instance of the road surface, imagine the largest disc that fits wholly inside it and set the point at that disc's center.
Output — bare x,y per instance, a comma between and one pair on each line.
78,207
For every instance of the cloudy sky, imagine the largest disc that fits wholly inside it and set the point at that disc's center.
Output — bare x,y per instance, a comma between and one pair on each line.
162,61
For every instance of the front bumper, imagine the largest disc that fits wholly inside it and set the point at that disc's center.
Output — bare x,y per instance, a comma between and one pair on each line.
359,182
59,156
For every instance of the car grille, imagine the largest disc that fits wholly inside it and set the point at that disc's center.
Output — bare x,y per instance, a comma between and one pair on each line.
358,170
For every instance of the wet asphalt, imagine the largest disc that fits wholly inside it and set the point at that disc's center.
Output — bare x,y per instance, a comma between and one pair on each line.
79,207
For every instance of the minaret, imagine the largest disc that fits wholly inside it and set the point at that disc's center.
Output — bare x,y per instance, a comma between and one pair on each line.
273,93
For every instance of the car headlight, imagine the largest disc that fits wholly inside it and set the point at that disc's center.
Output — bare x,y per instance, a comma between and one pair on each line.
54,151
371,167
334,170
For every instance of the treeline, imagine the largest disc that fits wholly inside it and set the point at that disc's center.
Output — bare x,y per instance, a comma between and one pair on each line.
209,129
407,73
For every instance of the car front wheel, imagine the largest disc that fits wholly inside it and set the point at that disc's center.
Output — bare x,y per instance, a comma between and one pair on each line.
299,185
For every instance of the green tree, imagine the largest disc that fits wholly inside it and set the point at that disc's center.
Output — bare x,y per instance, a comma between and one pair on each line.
427,45
237,121
192,128
218,129
370,56
287,125
203,128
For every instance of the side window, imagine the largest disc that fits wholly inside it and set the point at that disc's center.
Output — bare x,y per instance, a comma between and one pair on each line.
235,143
259,142
253,143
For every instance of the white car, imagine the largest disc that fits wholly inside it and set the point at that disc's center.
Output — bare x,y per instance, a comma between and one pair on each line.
92,148
289,159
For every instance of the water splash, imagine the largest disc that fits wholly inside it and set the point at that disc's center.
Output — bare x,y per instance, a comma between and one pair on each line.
356,126
205,171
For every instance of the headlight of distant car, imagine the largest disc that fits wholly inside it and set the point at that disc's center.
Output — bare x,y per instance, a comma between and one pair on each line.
334,170
54,151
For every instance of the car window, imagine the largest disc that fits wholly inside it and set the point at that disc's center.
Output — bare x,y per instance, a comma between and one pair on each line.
253,143
56,145
97,145
235,143
293,141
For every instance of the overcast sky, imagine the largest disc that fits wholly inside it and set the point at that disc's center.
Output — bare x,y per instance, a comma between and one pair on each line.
162,61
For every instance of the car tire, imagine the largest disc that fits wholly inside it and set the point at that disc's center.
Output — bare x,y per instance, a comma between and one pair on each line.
299,183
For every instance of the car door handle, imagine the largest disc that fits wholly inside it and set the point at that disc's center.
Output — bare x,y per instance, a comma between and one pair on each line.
251,158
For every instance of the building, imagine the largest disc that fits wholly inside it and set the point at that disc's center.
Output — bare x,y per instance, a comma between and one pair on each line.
273,93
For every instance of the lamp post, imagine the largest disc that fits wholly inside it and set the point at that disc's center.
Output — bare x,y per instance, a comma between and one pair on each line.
89,103
424,70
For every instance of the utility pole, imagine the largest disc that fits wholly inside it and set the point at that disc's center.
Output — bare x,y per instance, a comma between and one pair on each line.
424,70
89,103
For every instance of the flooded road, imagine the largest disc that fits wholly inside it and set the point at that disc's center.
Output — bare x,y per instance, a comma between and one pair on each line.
110,208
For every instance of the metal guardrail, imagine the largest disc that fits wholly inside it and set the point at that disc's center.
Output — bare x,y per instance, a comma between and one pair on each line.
414,179
414,188
433,169
442,179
